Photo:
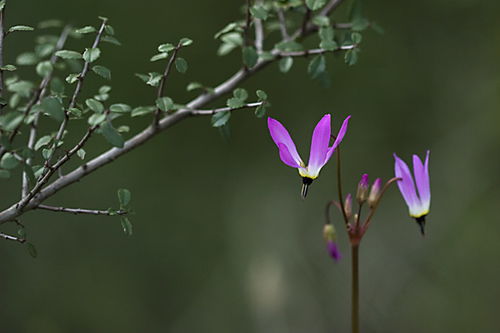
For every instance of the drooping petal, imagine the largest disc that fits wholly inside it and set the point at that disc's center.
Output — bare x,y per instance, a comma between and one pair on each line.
339,138
407,186
319,144
286,146
421,173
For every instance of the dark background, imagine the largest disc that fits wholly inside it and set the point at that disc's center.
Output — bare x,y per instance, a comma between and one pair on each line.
222,241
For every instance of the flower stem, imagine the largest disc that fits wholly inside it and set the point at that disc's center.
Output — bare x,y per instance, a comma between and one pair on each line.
355,288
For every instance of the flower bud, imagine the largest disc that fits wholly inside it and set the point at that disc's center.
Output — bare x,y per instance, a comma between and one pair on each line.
375,192
330,235
362,193
348,206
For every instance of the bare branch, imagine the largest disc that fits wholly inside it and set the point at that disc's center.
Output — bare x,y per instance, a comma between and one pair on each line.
12,238
259,33
81,210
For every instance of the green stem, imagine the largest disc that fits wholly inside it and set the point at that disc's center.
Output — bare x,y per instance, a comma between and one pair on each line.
355,288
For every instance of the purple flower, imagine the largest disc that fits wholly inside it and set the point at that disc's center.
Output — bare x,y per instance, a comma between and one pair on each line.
418,204
333,250
375,192
363,185
320,153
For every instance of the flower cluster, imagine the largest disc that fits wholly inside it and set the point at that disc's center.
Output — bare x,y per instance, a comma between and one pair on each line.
415,188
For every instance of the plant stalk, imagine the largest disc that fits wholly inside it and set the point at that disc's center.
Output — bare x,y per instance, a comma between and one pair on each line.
355,288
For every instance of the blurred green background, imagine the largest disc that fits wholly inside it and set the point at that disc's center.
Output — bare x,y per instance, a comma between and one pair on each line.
222,241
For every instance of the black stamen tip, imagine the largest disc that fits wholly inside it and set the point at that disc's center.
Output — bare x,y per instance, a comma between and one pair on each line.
421,224
306,181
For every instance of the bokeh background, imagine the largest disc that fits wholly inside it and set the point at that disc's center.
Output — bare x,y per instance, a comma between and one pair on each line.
222,241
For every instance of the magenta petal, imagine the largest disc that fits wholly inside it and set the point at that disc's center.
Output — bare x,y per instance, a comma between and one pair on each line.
339,138
319,144
406,184
286,157
281,137
421,172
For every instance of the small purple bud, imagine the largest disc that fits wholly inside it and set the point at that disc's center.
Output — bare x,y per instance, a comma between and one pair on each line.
333,250
348,206
362,193
375,192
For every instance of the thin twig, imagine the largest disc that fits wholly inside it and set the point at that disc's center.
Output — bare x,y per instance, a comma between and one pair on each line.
282,20
12,238
309,28
214,111
81,210
368,220
163,82
259,32
39,94
76,93
2,36
316,51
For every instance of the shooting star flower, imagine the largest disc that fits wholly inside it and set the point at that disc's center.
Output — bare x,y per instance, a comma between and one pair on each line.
320,153
418,204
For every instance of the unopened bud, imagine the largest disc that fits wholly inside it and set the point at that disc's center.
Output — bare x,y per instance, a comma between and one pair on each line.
375,192
348,206
329,232
362,193
330,235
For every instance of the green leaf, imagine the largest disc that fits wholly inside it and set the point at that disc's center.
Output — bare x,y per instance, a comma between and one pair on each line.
94,105
81,153
9,68
235,103
351,57
233,26
315,4
32,250
111,135
67,54
109,29
124,197
159,56
4,174
193,86
165,48
96,119
91,55
26,59
259,12
111,39
44,68
250,56
72,78
120,108
220,118
317,66
50,24
43,141
165,103
10,121
102,71
185,42
356,37
85,30
289,46
22,88
47,153
322,21
126,226
2,4
142,110
53,107
285,64
181,65
8,161
21,28
44,50
240,93
261,95
260,111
